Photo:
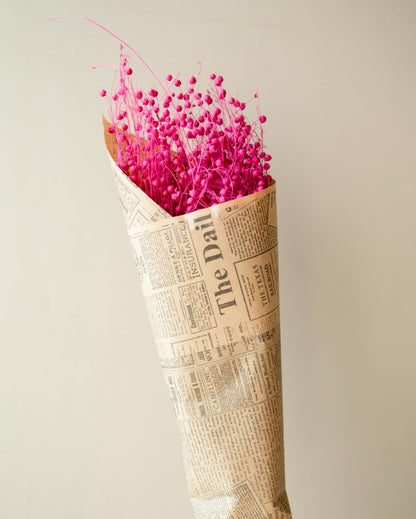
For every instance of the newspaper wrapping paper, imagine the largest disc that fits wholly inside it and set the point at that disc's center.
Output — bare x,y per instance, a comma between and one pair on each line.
210,282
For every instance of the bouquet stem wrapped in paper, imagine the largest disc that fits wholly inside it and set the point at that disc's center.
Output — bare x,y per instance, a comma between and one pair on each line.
200,207
210,282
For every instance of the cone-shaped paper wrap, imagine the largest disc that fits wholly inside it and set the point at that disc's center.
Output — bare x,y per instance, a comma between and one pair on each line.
210,281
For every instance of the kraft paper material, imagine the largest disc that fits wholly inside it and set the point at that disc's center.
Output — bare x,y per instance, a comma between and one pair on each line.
210,282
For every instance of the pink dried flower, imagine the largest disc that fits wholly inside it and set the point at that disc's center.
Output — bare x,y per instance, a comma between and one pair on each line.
186,149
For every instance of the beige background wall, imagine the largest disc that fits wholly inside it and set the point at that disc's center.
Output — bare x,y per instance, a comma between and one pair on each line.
79,437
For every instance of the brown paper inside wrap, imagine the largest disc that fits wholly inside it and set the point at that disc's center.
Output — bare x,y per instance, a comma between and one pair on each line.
210,281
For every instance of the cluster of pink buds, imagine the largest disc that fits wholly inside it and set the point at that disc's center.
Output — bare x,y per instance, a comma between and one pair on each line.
186,149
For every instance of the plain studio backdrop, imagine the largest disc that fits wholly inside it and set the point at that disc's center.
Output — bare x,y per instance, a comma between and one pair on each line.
87,429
